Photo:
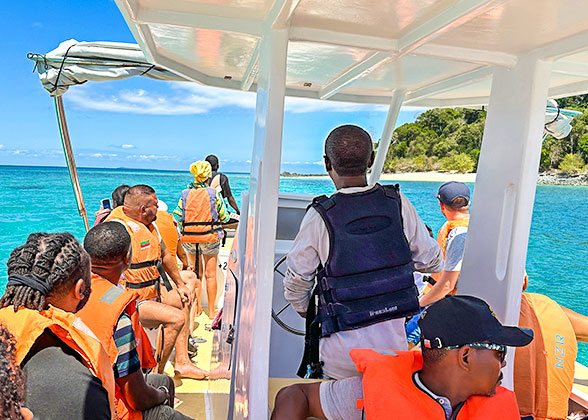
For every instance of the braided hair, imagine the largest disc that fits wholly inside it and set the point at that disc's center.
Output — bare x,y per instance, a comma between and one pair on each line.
12,381
58,259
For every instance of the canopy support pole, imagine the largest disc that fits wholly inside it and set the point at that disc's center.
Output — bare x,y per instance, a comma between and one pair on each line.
250,397
502,205
69,158
382,152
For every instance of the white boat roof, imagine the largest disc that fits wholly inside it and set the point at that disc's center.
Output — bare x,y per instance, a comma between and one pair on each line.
441,52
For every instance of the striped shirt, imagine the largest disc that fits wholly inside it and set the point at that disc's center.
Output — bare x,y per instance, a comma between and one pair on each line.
127,361
221,208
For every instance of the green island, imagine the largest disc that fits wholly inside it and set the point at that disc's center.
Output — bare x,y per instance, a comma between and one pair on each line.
449,139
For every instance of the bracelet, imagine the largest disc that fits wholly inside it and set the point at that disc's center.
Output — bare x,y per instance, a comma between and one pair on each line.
164,388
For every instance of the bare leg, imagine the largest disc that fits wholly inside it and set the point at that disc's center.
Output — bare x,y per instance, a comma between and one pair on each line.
192,261
153,314
210,263
184,366
192,282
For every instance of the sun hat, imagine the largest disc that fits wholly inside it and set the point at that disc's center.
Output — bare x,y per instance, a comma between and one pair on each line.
458,320
201,170
452,190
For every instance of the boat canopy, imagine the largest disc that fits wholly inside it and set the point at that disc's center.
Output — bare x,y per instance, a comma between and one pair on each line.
442,53
74,63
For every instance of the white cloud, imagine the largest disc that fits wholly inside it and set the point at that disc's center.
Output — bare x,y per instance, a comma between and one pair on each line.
99,155
152,157
192,98
128,146
37,25
1,146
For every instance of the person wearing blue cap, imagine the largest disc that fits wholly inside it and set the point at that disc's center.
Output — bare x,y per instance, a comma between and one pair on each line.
454,202
455,375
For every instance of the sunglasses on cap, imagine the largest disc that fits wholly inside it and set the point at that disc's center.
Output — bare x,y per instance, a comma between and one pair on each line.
501,349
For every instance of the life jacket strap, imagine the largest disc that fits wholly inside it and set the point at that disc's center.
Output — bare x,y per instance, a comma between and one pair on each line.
213,223
144,264
143,284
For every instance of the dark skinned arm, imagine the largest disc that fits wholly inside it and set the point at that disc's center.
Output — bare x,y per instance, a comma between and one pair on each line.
171,268
233,204
138,394
298,402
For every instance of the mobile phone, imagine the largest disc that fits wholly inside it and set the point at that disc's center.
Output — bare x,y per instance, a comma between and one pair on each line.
105,202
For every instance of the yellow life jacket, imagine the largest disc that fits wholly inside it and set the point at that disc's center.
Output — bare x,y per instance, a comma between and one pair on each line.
142,276
544,369
105,306
200,220
390,393
27,325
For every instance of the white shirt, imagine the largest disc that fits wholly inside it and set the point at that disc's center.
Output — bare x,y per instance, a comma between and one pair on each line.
311,248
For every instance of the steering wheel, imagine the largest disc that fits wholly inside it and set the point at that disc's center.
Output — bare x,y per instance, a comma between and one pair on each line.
276,315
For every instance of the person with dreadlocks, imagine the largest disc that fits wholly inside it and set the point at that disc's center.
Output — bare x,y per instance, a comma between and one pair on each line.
12,381
111,313
68,372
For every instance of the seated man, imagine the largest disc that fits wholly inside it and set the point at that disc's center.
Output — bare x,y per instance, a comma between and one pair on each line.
118,199
112,315
69,376
456,376
544,370
454,202
150,262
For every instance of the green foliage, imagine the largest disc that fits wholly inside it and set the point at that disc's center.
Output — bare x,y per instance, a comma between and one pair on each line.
572,164
460,163
583,146
451,139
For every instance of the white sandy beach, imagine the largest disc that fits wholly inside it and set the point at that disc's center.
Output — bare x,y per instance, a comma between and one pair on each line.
419,176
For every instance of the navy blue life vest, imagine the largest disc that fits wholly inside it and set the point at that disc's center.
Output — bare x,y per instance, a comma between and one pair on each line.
368,276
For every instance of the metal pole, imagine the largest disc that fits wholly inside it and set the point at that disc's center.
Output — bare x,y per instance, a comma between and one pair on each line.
69,158
382,151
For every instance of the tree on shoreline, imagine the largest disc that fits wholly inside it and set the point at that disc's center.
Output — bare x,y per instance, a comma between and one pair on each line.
449,139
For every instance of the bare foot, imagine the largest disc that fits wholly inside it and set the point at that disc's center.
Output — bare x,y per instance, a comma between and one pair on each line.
198,310
190,371
212,315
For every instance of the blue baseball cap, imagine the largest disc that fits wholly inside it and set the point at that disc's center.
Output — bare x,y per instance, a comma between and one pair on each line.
452,190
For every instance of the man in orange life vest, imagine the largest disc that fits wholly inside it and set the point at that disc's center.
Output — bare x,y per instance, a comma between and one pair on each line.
200,212
112,315
544,370
454,201
456,376
68,373
150,262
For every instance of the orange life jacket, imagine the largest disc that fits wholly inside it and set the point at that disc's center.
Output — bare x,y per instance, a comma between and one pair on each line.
390,393
200,221
442,236
168,231
106,304
544,369
142,276
27,325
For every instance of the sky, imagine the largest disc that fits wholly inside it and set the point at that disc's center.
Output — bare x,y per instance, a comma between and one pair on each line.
138,122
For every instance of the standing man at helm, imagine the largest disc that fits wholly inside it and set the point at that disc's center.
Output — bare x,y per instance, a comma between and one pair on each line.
365,241
150,264
200,212
454,201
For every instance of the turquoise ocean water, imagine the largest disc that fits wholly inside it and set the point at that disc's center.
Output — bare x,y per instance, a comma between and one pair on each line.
41,199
